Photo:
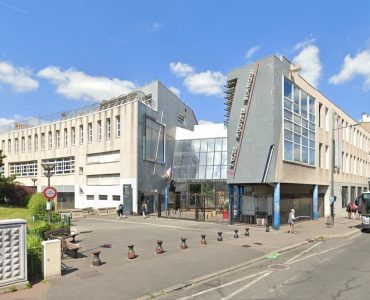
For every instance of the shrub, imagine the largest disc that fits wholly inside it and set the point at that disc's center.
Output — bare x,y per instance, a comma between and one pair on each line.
37,204
38,228
34,256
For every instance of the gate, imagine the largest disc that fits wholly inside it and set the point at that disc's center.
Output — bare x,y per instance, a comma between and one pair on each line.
302,204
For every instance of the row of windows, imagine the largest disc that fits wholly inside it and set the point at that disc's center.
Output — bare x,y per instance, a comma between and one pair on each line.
62,165
69,137
103,197
27,168
299,124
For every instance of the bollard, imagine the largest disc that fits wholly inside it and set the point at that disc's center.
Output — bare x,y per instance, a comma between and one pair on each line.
183,243
219,237
131,253
246,231
203,240
236,235
96,259
267,228
159,249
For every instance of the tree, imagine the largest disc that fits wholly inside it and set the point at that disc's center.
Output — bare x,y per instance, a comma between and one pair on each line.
7,184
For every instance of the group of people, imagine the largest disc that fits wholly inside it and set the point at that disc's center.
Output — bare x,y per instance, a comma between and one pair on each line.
120,207
354,209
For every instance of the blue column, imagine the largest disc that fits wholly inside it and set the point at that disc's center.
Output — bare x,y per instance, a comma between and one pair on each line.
231,204
166,197
240,192
315,202
277,206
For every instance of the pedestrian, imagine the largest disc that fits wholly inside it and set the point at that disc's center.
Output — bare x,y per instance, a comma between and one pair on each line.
120,211
144,208
291,220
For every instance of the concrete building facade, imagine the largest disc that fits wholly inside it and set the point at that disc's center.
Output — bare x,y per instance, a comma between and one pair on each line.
114,150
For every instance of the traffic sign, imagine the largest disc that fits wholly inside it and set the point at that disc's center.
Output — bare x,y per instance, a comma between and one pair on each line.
50,192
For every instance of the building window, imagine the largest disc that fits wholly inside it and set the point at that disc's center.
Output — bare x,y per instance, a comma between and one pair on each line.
65,137
57,138
327,120
81,134
103,157
36,141
89,197
73,136
64,165
29,143
27,168
344,196
3,146
118,126
116,198
90,132
99,131
23,144
299,124
108,129
50,140
181,118
327,158
103,179
16,145
153,140
103,197
9,146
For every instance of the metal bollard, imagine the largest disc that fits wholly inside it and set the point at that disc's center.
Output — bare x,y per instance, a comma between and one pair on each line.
131,253
267,228
246,231
236,235
159,249
96,259
203,240
183,243
219,237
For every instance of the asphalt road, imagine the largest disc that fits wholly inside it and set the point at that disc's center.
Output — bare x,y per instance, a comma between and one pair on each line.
331,269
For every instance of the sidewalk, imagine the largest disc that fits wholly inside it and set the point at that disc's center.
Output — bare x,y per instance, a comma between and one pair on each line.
158,272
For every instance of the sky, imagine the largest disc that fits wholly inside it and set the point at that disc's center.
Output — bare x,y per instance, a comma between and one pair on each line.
61,55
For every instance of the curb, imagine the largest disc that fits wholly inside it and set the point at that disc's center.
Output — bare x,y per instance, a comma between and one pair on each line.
245,264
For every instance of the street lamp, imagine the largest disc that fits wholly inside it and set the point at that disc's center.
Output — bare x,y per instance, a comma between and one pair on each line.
48,167
34,183
332,197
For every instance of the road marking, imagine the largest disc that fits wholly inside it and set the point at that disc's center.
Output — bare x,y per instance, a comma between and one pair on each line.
303,252
223,285
318,253
247,286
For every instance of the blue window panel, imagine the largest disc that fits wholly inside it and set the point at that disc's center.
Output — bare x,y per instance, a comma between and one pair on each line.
297,152
288,135
287,88
288,150
312,157
288,115
305,155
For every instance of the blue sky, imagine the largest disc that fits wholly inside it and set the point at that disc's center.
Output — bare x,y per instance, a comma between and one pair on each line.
61,55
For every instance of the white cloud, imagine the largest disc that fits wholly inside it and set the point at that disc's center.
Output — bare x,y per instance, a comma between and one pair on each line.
251,51
175,91
208,83
77,85
358,65
304,44
6,121
180,69
18,78
308,59
205,122
155,26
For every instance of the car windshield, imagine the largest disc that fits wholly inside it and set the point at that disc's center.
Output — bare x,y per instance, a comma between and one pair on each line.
366,199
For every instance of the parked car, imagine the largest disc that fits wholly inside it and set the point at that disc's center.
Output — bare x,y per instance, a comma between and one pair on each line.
365,208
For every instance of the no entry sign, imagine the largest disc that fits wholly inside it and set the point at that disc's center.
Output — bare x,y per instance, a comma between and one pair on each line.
50,192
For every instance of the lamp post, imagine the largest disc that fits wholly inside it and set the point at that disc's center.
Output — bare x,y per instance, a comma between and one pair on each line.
34,183
48,167
332,197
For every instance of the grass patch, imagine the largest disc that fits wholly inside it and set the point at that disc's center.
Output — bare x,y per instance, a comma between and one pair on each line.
9,212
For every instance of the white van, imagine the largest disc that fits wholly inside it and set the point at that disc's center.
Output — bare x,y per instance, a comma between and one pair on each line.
365,208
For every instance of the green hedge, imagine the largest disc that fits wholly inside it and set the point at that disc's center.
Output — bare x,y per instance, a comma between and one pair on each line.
37,204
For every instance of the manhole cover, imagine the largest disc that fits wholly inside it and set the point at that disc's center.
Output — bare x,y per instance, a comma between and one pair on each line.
258,244
245,246
278,267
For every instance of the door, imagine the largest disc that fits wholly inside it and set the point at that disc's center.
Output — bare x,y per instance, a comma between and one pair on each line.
127,199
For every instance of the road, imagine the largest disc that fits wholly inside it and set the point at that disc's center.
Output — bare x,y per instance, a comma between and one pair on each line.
331,269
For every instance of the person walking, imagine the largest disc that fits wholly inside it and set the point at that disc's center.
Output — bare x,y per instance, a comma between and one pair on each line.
291,220
144,208
120,211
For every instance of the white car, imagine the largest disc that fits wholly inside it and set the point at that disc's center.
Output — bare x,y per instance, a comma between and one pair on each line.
365,208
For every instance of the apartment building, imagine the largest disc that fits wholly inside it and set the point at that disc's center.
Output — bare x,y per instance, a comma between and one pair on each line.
287,143
106,153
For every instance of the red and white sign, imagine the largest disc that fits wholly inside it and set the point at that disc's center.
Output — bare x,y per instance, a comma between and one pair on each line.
50,192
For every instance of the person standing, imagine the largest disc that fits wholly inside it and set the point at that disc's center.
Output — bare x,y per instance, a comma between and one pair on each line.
144,208
120,211
291,220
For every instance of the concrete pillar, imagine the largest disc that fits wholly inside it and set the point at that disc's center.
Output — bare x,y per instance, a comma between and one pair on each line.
231,204
315,202
240,192
277,206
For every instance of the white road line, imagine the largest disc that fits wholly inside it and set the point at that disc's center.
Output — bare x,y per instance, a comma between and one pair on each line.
247,286
318,253
223,285
303,252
